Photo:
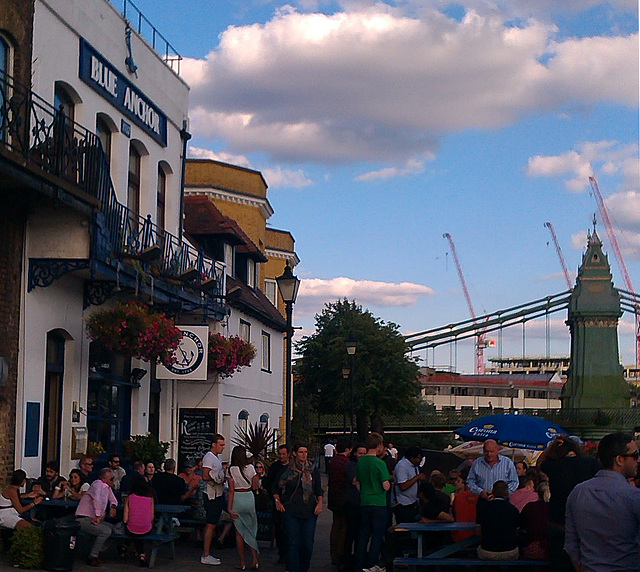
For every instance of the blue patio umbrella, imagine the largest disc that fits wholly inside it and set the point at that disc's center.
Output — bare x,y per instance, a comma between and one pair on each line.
512,430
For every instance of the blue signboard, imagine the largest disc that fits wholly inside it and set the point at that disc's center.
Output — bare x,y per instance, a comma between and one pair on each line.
32,429
103,77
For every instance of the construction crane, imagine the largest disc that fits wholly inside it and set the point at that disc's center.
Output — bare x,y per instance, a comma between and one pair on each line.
481,342
560,255
604,215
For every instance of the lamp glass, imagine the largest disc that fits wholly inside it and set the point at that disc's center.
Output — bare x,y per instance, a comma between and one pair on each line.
345,372
288,285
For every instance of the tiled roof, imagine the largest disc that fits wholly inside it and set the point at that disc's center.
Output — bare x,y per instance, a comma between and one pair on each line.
202,217
253,302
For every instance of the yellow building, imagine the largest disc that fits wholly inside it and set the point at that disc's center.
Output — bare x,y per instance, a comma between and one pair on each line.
241,194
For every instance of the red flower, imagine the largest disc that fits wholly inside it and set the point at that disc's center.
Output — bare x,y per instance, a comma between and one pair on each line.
136,330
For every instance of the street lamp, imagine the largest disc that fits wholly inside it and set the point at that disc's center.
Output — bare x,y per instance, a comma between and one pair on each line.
346,374
288,285
351,345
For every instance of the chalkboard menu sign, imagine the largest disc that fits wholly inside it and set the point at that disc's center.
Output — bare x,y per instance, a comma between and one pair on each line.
196,430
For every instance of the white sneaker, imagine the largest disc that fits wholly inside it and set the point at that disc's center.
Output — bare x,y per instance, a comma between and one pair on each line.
210,560
376,568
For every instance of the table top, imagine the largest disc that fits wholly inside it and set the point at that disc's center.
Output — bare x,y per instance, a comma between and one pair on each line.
172,508
160,508
434,526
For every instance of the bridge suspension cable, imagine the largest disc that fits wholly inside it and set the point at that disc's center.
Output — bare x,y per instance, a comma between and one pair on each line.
488,323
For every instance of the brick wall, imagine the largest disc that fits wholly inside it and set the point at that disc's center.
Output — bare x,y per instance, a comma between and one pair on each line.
12,225
16,25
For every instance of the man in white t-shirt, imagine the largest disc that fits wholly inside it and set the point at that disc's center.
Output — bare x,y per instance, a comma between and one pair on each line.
329,452
213,476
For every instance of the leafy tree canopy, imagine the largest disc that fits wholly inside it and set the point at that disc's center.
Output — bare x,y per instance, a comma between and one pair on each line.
385,379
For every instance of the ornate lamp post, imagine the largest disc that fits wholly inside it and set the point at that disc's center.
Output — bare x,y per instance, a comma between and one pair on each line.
288,285
351,346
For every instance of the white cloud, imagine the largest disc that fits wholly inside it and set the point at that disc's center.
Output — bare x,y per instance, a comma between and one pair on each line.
280,177
231,158
275,176
373,84
314,292
576,165
412,167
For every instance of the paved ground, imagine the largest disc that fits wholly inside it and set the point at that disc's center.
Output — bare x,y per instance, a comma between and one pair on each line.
188,556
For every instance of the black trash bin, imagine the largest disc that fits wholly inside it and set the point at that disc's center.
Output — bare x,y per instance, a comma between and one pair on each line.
59,544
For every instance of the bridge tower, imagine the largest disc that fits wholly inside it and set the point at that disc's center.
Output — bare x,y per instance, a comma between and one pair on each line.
595,377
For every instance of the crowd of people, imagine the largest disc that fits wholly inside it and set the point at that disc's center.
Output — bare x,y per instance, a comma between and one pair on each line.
574,510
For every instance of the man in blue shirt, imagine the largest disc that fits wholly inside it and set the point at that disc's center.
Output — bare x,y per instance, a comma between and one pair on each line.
603,513
490,468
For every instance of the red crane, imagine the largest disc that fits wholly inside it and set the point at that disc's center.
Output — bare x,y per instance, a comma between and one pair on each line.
560,255
481,342
604,215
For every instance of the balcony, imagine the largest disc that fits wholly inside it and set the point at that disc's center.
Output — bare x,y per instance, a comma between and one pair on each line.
41,149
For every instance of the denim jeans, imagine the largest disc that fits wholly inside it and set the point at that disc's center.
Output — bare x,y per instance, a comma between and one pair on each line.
300,533
373,523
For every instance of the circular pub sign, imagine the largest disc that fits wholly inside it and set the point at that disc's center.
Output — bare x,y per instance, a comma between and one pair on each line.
189,354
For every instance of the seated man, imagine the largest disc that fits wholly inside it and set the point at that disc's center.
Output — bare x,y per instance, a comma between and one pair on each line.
169,487
98,502
52,482
498,522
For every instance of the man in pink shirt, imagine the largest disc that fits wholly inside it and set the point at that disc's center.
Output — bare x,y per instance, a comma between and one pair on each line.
526,492
98,502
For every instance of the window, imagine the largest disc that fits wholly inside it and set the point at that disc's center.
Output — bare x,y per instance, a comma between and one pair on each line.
243,420
133,189
161,198
228,259
104,135
245,331
266,352
271,290
251,273
62,101
264,421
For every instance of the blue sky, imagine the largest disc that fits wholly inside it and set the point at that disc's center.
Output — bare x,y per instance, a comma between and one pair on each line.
379,126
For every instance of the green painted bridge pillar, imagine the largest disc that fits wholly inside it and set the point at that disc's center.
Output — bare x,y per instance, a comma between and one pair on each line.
595,378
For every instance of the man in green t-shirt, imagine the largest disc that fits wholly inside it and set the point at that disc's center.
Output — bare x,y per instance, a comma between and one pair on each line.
374,479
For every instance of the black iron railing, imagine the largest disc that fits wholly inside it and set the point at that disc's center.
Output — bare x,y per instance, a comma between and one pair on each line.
48,141
147,30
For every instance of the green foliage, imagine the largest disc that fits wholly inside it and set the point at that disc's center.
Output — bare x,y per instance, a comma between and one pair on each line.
385,379
146,448
27,547
257,439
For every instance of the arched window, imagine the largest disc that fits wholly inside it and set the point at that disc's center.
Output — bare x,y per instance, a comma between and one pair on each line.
133,188
63,101
161,199
243,420
103,131
264,421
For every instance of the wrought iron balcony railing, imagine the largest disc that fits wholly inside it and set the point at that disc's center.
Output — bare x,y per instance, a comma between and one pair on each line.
50,143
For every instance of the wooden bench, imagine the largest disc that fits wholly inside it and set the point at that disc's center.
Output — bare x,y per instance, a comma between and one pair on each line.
157,540
426,561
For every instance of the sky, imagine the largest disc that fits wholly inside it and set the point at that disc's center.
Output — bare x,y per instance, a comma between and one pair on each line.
380,126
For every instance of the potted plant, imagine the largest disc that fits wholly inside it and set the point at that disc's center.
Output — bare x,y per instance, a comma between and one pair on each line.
228,355
27,547
136,331
146,448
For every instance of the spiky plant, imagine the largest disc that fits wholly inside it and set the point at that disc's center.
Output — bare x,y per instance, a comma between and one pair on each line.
257,439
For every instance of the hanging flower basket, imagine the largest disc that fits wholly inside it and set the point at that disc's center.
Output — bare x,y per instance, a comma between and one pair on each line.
135,330
228,355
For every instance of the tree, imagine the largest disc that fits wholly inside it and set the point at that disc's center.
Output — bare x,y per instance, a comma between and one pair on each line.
385,380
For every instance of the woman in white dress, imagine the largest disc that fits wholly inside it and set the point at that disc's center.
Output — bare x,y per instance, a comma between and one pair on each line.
11,507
